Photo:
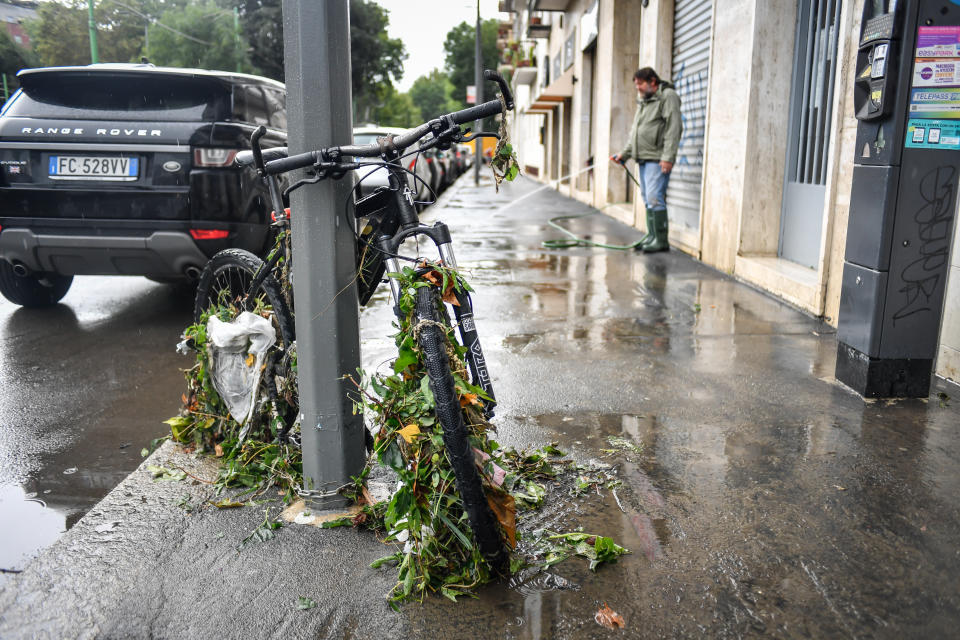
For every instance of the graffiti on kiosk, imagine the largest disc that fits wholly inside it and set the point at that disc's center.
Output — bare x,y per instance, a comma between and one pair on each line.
692,90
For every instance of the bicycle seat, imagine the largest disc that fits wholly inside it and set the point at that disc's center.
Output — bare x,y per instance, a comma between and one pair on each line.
245,158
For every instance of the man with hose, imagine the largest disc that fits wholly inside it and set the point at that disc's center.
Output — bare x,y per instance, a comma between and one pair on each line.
653,141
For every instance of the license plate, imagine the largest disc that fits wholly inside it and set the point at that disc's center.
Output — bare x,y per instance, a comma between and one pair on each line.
93,168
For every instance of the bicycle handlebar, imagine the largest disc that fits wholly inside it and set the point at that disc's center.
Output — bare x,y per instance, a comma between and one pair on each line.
246,158
401,142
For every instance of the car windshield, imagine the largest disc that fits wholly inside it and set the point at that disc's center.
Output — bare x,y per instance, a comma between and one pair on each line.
365,138
121,97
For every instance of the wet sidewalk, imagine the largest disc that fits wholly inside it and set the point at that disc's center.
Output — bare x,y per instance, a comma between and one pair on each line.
768,501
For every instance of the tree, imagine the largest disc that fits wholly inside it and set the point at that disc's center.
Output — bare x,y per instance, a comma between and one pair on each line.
199,35
432,95
262,24
460,48
13,58
375,59
61,35
397,110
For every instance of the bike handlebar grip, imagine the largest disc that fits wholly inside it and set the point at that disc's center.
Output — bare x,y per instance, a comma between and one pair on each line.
245,158
504,88
478,112
292,162
258,133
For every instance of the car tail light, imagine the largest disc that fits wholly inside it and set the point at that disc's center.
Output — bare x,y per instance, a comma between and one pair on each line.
214,157
209,234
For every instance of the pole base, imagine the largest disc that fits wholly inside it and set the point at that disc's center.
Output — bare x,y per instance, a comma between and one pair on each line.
883,377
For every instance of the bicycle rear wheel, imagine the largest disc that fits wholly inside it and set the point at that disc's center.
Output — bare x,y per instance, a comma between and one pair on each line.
432,338
224,289
225,283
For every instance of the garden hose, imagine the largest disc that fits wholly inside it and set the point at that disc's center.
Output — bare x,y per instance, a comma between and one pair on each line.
576,241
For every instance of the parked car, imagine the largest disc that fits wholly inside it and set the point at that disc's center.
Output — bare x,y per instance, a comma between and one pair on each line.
445,157
127,169
370,179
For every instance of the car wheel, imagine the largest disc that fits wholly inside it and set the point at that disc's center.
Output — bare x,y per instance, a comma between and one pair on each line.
32,290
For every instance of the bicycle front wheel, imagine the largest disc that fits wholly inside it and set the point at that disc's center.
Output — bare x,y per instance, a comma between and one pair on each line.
432,338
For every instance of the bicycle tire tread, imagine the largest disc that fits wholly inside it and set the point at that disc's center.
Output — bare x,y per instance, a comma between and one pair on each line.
432,343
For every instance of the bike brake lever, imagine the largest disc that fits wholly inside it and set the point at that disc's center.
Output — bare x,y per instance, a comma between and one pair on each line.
480,135
299,183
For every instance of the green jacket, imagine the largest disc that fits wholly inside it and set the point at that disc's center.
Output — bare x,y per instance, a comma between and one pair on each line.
656,129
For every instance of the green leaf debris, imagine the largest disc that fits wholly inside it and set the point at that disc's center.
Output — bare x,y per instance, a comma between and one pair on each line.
434,550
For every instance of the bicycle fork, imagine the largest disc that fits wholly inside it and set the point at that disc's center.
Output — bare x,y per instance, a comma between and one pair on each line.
466,326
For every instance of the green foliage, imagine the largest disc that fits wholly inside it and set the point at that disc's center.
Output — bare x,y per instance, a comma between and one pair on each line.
425,519
263,532
13,58
396,110
432,94
206,39
504,164
597,549
460,49
258,461
375,58
61,36
304,603
261,24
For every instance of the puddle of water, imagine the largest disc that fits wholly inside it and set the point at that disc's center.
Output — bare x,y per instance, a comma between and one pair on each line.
30,526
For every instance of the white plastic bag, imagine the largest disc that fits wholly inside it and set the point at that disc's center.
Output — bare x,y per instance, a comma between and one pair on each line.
237,351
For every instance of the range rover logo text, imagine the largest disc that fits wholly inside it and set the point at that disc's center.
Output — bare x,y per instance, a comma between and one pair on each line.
67,131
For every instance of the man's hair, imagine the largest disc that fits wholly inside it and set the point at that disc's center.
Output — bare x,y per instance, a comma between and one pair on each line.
646,75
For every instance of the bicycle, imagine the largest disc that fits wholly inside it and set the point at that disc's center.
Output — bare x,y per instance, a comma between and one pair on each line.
246,282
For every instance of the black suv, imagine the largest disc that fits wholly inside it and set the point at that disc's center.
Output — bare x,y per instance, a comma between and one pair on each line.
127,169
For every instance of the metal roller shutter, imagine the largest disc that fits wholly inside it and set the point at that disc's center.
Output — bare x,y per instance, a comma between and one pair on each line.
691,66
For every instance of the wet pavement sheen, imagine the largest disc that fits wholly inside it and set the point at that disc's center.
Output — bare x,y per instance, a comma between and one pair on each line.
85,386
767,501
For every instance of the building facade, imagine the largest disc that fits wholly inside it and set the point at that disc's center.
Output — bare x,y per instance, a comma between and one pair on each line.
761,186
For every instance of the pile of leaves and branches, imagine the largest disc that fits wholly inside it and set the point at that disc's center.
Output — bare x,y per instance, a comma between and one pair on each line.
264,452
424,517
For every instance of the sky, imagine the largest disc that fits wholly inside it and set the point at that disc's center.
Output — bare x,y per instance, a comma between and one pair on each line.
422,25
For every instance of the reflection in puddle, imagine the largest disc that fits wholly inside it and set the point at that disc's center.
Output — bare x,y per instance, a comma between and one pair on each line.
531,581
28,527
516,343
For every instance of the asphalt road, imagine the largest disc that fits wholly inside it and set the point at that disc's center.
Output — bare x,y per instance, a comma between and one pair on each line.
84,386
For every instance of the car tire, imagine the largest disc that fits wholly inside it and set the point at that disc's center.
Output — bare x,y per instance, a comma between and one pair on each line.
31,290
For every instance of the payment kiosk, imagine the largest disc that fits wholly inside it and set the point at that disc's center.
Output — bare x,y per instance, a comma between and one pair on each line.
903,198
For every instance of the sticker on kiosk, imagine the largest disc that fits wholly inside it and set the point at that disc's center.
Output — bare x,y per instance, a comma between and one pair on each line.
933,134
935,94
941,103
938,42
936,73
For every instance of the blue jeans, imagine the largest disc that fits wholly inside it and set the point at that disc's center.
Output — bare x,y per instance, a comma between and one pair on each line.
653,185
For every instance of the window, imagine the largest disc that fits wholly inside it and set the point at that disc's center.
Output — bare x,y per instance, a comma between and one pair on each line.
276,107
120,96
249,105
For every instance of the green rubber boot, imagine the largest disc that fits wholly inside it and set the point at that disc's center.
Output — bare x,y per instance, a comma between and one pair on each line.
648,238
660,227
